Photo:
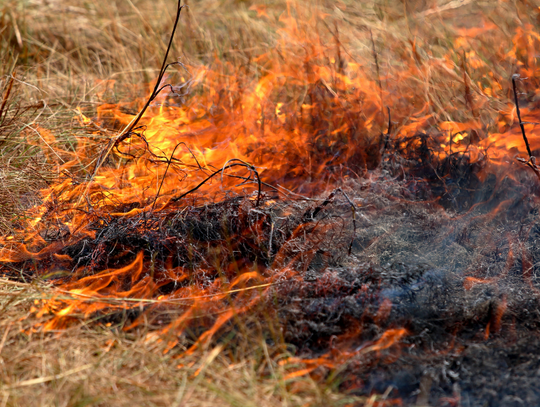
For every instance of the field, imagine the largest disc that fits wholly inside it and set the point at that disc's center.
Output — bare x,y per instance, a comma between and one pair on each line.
67,66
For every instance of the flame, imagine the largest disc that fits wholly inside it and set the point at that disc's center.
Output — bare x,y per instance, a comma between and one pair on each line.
293,126
335,358
470,282
297,118
388,339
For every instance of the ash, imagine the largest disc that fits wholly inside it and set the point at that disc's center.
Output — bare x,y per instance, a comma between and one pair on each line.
453,260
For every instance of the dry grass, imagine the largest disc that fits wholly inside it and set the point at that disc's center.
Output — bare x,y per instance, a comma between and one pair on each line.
101,365
67,54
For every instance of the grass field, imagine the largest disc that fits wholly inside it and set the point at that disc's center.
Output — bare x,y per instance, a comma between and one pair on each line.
434,63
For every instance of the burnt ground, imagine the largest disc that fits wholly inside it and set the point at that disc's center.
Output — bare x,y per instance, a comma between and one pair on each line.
462,276
446,250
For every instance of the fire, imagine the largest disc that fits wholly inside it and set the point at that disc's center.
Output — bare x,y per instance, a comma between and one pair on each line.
297,126
295,121
388,339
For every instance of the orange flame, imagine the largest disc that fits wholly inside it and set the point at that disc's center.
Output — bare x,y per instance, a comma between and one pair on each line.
389,338
309,116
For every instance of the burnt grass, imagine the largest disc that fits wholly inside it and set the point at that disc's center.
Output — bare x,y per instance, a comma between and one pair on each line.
422,228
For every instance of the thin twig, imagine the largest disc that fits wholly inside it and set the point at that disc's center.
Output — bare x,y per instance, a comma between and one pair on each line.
227,165
249,167
531,162
130,127
117,300
6,94
519,114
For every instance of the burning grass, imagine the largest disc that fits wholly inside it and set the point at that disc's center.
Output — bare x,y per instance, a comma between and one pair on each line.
102,365
321,204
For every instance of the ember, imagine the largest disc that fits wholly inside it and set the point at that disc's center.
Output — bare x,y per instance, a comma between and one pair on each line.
374,230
